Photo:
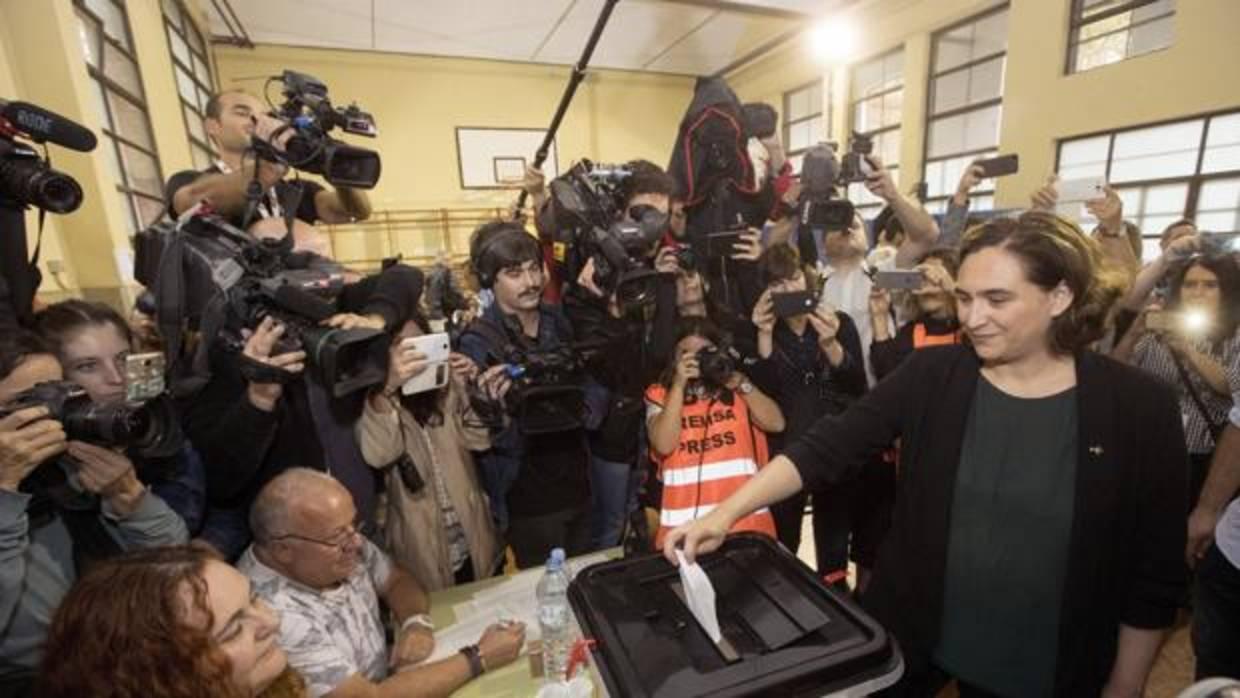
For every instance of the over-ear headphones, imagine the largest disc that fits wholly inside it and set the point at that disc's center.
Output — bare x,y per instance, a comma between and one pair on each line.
478,257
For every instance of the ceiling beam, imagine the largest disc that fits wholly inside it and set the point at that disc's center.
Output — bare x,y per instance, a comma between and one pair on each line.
742,8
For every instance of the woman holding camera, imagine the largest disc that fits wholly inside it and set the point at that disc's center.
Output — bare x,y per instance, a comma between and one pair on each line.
706,423
932,309
1193,345
173,622
1037,541
811,364
92,342
437,521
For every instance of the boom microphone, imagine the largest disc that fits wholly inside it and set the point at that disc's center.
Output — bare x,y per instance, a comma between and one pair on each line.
43,125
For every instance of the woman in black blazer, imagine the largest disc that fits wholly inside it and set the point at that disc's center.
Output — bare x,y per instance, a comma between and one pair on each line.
1037,543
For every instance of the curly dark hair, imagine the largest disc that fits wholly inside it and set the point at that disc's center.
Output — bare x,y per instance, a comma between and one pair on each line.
1054,250
121,632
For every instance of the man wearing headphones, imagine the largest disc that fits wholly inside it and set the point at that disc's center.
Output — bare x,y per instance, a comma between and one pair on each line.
538,482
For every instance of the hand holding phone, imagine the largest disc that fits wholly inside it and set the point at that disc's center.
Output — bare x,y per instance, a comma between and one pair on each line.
999,166
1082,189
793,303
899,280
437,350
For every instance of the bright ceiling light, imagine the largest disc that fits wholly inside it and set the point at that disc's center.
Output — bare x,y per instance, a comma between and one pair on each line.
833,40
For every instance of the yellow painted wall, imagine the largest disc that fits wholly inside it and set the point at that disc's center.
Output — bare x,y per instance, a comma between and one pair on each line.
1040,103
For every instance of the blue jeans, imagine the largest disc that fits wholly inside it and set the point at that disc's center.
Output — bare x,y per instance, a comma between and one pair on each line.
1216,617
613,491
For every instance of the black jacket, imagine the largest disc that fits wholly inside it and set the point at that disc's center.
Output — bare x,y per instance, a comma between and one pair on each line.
1125,562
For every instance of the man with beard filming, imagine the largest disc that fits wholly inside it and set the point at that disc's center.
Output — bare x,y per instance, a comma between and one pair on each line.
642,335
58,516
536,471
236,121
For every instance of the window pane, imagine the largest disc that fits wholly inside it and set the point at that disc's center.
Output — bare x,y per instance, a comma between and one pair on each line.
982,128
1218,205
887,146
953,48
1168,198
951,91
815,98
114,163
893,107
816,131
1156,153
1223,144
130,212
185,86
893,69
1104,50
1083,157
172,12
203,98
990,35
982,203
121,70
90,38
179,48
149,210
201,71
97,99
867,79
113,19
1151,36
193,122
195,38
130,121
799,136
947,135
798,105
867,115
142,171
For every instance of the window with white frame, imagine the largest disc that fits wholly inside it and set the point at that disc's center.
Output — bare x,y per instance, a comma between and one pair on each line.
965,105
192,70
805,121
1109,31
116,90
877,109
1164,172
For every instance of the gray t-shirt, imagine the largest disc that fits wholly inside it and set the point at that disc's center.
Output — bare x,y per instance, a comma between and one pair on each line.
328,635
1011,523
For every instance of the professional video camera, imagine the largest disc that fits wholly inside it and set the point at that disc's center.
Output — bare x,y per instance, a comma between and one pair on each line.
583,209
210,277
148,427
28,180
308,111
546,395
820,205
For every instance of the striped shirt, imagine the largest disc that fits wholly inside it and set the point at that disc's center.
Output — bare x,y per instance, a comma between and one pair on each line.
1153,355
720,450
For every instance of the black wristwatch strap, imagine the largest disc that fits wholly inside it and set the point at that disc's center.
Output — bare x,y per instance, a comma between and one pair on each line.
475,660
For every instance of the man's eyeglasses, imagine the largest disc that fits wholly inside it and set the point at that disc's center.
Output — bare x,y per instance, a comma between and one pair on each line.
338,542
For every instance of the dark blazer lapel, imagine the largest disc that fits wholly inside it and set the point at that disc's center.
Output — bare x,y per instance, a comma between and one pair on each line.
1094,506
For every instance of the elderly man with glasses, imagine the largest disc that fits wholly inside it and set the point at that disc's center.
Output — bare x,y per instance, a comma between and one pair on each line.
312,564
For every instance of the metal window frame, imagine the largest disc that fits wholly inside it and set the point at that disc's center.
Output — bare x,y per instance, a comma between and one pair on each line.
170,27
1194,180
825,83
932,116
108,84
1077,22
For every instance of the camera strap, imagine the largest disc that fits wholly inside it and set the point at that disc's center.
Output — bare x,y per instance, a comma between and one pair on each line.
1215,429
255,371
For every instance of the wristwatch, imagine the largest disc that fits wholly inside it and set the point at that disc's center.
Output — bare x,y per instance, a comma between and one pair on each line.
474,657
745,387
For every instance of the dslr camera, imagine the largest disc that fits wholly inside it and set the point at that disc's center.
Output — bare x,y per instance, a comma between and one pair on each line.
856,165
716,365
25,178
310,114
582,214
149,427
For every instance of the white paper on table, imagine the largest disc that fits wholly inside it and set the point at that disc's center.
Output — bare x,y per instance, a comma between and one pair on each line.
700,596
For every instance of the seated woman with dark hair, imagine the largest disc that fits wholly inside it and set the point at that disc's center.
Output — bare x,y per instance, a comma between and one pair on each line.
171,622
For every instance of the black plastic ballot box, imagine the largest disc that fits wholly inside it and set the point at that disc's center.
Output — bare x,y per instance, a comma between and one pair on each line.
785,633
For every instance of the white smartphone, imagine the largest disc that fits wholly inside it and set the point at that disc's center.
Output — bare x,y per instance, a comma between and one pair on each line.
436,347
1083,189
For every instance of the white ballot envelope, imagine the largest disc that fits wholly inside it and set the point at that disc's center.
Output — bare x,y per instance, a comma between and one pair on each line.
699,596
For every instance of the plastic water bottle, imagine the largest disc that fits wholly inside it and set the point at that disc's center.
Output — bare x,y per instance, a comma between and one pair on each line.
554,617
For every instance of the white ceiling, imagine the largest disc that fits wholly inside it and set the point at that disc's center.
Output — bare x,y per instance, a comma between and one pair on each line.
693,37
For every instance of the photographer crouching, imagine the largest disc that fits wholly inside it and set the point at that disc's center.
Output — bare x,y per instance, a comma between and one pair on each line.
536,471
67,499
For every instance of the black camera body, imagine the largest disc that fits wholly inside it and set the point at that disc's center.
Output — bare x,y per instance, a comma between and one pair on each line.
27,179
547,395
856,166
583,215
820,206
150,428
716,365
308,111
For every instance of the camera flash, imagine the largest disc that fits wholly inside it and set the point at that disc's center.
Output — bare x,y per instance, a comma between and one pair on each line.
833,40
1195,321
